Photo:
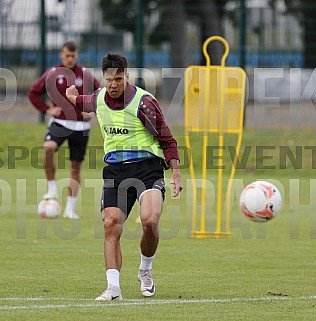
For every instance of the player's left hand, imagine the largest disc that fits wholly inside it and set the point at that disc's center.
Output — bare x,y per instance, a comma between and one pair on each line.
87,116
175,180
54,111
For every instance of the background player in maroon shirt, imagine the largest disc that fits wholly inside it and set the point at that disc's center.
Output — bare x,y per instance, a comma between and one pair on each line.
66,123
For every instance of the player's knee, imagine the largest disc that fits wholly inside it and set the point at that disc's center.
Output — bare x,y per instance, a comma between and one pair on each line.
150,222
112,225
50,146
109,222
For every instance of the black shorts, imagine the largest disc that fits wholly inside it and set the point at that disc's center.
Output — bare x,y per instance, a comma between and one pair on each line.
77,140
125,183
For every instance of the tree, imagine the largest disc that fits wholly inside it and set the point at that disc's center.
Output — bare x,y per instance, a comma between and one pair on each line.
209,14
305,11
119,13
175,27
172,25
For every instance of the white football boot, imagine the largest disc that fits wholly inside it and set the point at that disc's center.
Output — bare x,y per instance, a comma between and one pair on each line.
110,294
71,215
51,195
147,285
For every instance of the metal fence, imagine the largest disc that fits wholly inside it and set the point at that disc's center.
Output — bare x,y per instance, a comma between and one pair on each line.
274,35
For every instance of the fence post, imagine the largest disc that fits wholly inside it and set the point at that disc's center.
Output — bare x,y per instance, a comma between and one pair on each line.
242,33
139,32
42,47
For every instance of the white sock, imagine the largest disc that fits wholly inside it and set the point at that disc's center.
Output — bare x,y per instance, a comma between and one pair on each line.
52,188
71,203
113,277
146,262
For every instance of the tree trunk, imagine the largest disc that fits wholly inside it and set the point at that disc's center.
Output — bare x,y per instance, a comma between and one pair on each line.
175,23
210,24
309,21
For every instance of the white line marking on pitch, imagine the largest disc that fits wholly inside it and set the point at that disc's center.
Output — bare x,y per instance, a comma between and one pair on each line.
135,302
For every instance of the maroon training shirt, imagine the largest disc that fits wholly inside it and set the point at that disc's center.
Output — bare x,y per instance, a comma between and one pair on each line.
150,115
55,81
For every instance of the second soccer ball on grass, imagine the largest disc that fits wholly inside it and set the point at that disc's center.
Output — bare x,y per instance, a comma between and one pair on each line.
48,208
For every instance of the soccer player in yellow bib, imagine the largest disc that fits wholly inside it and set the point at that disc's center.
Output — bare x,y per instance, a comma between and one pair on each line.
138,147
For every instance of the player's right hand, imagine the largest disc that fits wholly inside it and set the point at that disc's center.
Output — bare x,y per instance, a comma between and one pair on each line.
72,93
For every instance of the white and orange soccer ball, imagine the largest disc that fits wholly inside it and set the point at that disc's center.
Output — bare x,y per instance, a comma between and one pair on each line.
260,201
48,208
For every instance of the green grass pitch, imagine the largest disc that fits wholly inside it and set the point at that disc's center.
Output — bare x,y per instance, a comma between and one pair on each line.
53,269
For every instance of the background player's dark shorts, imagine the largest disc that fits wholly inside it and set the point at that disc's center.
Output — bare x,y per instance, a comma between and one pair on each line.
77,140
124,183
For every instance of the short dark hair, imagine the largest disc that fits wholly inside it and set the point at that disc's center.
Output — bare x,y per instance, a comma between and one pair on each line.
114,61
70,45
